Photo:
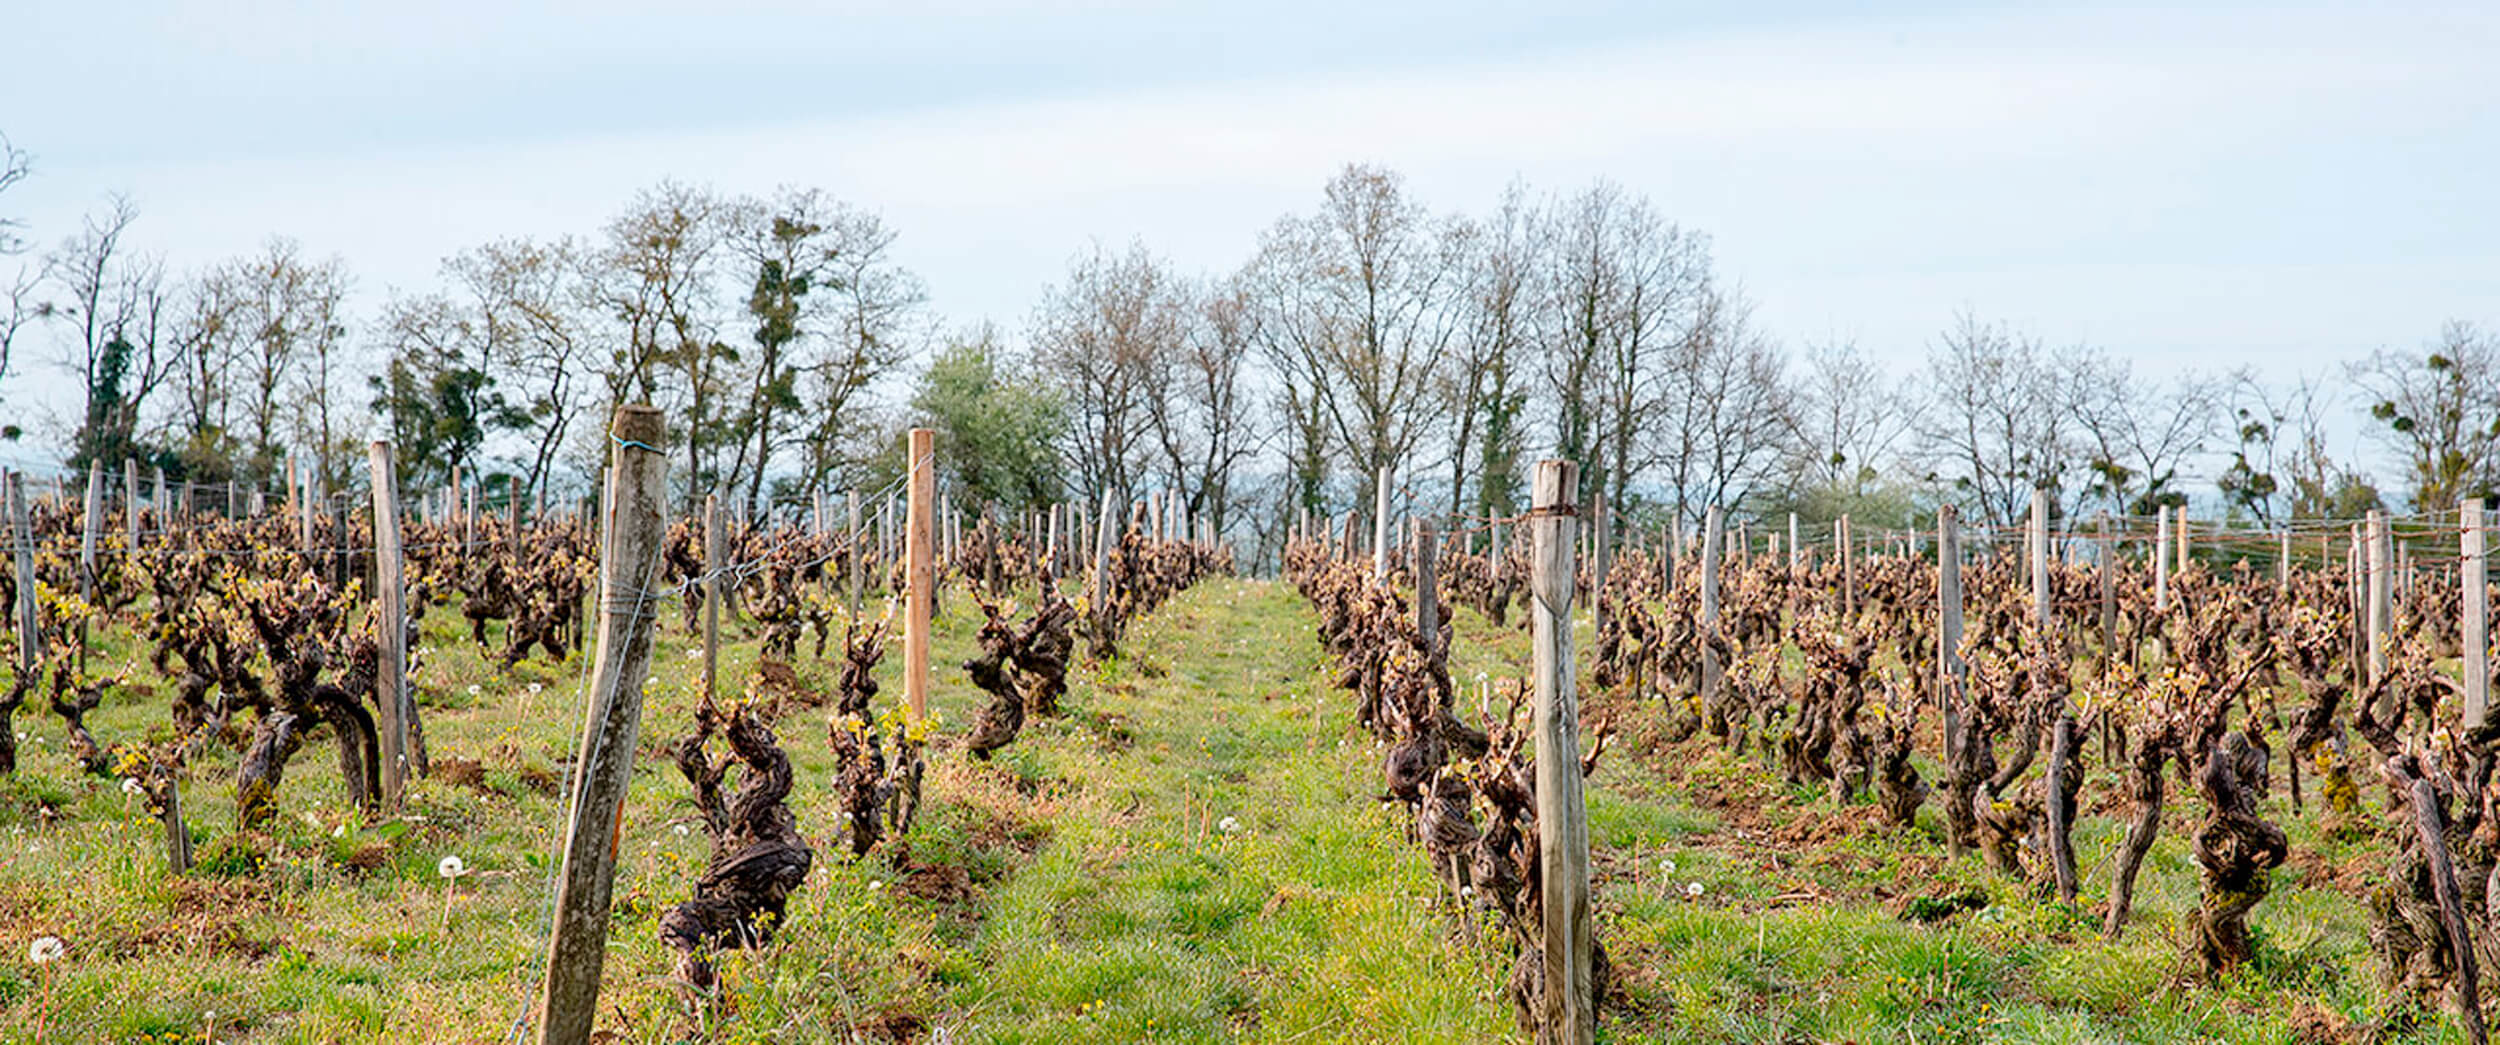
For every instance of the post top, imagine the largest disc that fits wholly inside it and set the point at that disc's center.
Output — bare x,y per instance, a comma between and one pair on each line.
640,423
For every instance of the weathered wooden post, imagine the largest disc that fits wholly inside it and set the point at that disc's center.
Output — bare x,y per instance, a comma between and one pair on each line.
1949,606
91,531
22,546
2283,560
2382,565
1848,567
1105,529
2181,529
920,540
130,506
636,497
1599,559
1568,1008
1380,525
1713,548
2039,546
390,682
1427,590
2161,558
2109,595
859,554
1494,551
715,556
2475,615
1796,551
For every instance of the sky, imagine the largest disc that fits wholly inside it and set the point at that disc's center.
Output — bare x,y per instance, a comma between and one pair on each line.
2187,186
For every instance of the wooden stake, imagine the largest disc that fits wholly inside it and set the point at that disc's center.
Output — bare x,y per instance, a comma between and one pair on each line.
920,538
2161,560
1427,592
1380,526
390,683
637,492
22,544
715,553
2039,542
130,507
1568,1015
2382,606
2476,615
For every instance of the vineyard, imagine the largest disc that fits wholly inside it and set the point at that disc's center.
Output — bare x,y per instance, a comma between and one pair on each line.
921,775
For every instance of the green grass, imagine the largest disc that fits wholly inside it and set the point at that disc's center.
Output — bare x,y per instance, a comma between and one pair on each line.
1082,886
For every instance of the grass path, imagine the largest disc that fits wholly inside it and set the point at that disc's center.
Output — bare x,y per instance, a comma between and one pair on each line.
1219,868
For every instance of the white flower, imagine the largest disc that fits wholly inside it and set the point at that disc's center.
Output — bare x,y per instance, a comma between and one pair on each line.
1228,825
694,654
534,687
1693,889
130,785
451,867
339,831
681,830
46,950
475,689
875,884
1667,867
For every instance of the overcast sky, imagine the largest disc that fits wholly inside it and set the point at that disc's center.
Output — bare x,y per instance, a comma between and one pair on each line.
2215,186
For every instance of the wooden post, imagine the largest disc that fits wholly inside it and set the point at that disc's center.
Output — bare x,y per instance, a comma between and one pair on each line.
920,538
2283,560
2382,563
1493,551
130,507
1427,592
158,500
635,530
1713,549
859,554
1599,559
715,554
91,531
2475,615
2356,594
390,682
2109,596
2039,542
1104,542
2161,558
2181,529
1796,551
1568,1011
1380,525
1848,567
1949,600
22,545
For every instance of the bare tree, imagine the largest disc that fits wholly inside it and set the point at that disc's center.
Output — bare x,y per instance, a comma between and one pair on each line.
17,295
529,299
1352,304
15,165
1486,386
1723,412
874,313
115,304
205,351
654,277
1997,418
283,312
2136,434
1847,419
1105,336
1200,406
2439,412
